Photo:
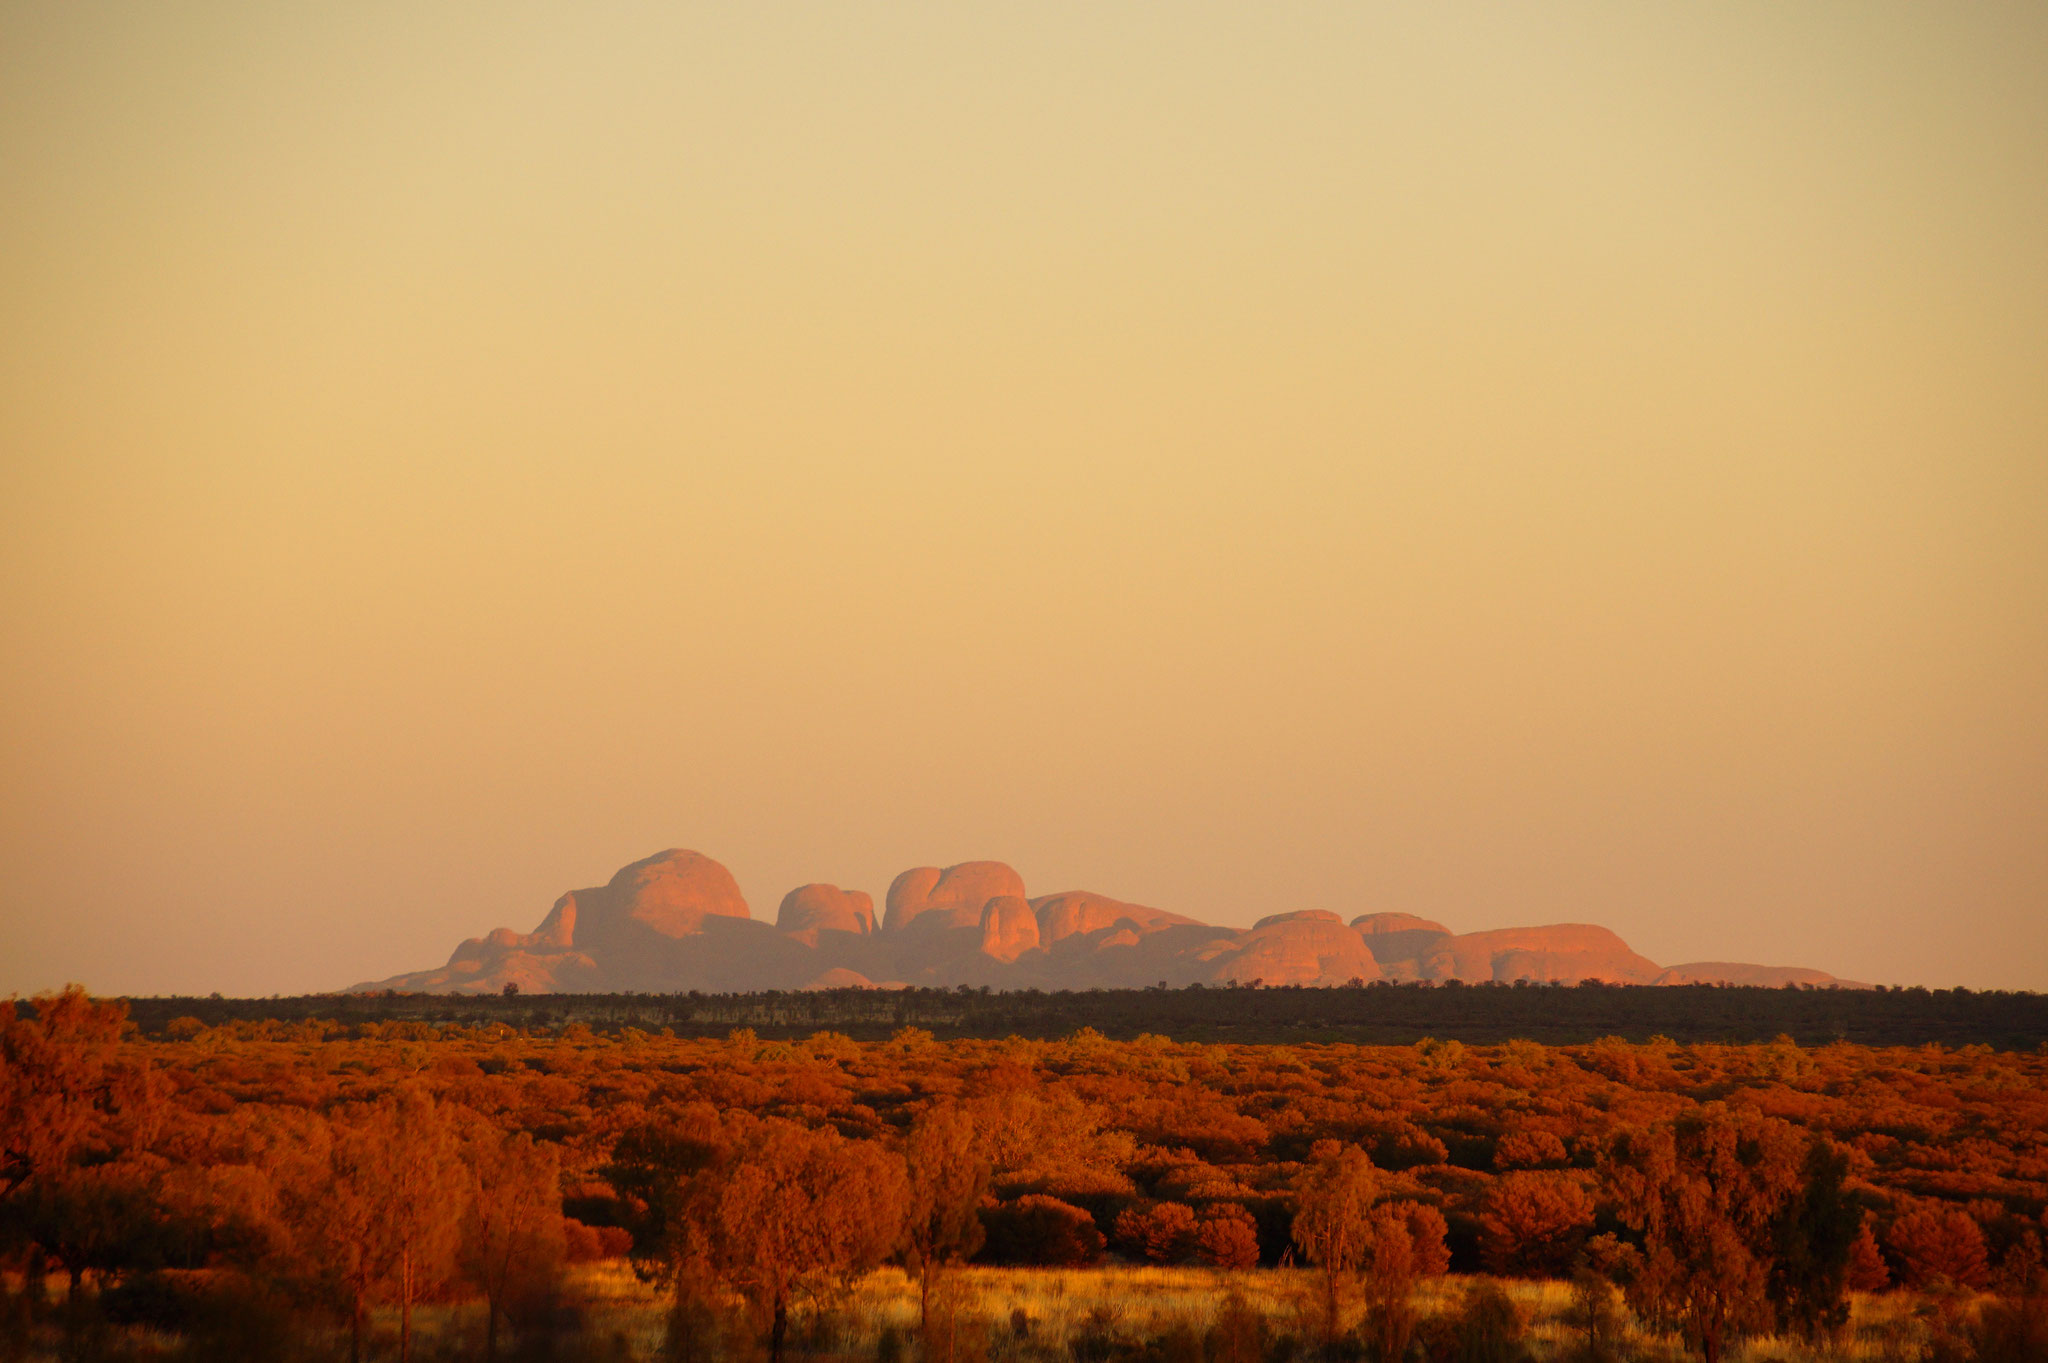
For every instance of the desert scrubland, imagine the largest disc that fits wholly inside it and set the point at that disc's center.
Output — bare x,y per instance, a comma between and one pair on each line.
316,1188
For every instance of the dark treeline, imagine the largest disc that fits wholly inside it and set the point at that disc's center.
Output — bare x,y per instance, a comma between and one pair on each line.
1374,1015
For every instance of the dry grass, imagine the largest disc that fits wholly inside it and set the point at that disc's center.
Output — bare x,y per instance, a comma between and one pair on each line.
1011,1315
1054,1307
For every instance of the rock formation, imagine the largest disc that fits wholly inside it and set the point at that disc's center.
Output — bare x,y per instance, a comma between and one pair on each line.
1008,928
1731,972
1078,913
677,921
811,910
951,898
1309,946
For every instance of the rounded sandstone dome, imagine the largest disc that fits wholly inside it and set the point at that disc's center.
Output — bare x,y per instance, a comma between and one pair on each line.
669,894
1079,912
1298,916
811,909
1008,928
1373,924
954,896
1307,947
839,977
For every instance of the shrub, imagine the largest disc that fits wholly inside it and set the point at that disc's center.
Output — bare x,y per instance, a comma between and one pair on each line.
2012,1330
1162,1234
1487,1327
1596,1317
1037,1229
1239,1333
1226,1236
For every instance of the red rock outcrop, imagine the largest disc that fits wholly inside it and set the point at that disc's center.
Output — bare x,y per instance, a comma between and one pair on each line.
1076,913
1310,946
677,921
669,894
1768,976
1008,928
1399,941
1376,924
1564,953
810,910
839,977
953,897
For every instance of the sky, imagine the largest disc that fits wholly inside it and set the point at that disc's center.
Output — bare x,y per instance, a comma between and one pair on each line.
1509,464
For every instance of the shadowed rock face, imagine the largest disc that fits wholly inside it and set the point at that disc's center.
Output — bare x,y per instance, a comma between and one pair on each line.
1400,941
587,939
1732,972
839,977
676,921
810,910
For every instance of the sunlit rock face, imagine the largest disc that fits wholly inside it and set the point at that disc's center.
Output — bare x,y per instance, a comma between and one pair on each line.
676,921
1561,953
1008,928
599,938
669,894
1309,946
811,910
953,897
1078,913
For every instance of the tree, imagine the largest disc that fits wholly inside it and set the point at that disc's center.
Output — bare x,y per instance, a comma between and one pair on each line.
1226,1236
800,1212
1816,1233
55,1081
76,1123
382,1217
1939,1244
1705,1192
948,1175
1593,1314
512,1235
1344,1228
1389,1279
1038,1229
422,1203
1867,1271
1333,1223
96,1218
661,1171
1534,1224
1531,1149
1163,1233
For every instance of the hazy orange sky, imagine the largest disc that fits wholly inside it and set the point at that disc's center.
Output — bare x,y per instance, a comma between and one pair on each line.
1510,464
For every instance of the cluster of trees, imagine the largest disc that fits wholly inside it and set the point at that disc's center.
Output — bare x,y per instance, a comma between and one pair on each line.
204,1217
315,1170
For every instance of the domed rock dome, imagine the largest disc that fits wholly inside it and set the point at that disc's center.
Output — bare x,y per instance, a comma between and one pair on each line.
953,897
811,909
